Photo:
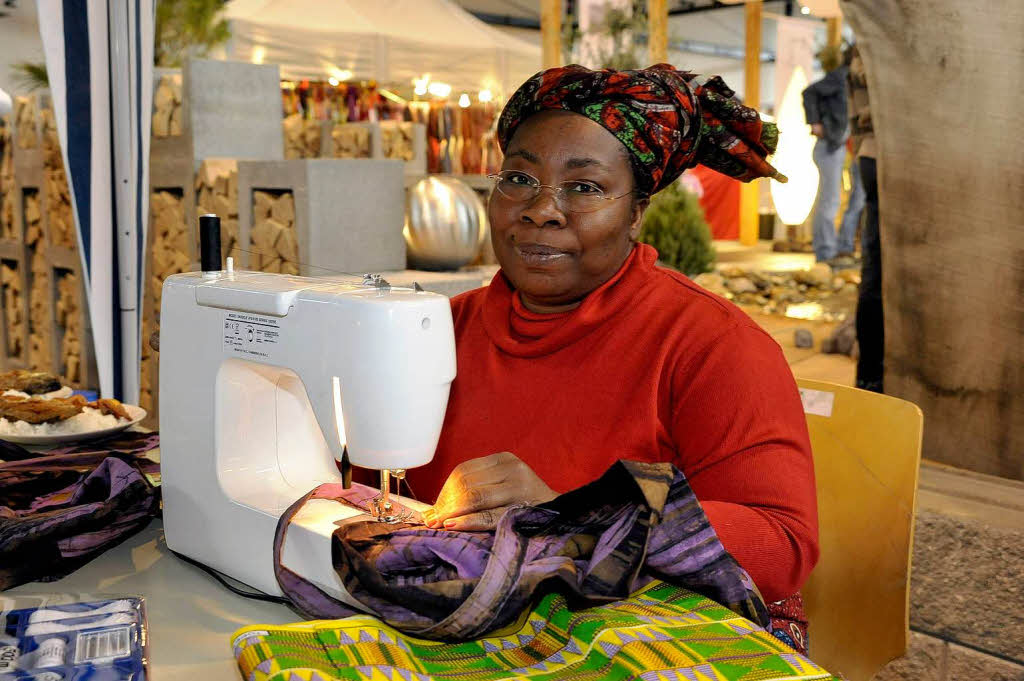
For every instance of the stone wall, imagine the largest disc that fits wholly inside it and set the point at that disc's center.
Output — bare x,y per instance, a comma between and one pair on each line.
945,79
967,583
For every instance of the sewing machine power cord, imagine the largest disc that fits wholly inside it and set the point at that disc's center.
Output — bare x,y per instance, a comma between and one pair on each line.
255,595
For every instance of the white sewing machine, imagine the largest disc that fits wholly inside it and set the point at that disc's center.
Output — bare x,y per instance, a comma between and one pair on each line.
266,380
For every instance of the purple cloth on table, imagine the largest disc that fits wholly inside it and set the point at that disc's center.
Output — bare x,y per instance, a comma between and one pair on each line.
598,543
61,509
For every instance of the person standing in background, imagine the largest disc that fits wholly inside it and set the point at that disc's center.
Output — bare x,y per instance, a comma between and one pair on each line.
870,326
826,110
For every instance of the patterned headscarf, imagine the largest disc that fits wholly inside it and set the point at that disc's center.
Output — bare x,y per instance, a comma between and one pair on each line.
668,120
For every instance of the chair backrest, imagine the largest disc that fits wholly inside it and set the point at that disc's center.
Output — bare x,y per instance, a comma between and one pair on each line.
867,451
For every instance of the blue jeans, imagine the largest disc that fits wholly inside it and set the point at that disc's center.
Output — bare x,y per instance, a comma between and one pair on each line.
854,207
830,177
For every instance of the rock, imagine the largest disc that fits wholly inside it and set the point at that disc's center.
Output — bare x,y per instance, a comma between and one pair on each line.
924,661
850,289
712,282
818,275
965,664
748,298
741,285
803,338
842,340
851,276
732,272
760,280
838,283
780,247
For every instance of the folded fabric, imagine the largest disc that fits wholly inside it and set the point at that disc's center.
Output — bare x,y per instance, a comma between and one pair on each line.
662,632
596,544
60,510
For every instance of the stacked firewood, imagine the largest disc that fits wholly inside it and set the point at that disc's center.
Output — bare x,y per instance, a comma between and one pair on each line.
396,141
40,327
7,228
58,196
352,140
301,137
68,315
275,245
10,280
217,193
167,110
25,122
170,241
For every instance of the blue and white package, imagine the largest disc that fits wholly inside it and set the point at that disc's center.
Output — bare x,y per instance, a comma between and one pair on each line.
97,640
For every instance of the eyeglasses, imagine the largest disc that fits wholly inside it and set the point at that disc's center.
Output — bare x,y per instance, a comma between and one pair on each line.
575,196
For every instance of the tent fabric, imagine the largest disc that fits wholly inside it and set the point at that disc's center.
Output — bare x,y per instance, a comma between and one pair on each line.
99,57
390,41
720,199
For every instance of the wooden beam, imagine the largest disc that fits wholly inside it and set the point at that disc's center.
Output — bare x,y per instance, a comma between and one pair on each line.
750,192
551,33
657,23
834,31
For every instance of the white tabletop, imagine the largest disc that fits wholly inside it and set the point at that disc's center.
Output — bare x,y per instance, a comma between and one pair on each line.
191,616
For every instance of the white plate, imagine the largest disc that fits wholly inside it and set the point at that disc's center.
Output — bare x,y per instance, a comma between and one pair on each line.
137,414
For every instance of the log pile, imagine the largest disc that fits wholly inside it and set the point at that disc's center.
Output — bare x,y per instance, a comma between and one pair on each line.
61,224
397,141
68,315
274,243
40,320
7,192
170,244
167,110
352,141
25,114
217,193
11,282
301,137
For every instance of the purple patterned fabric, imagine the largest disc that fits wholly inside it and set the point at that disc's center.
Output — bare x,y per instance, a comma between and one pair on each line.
599,543
62,509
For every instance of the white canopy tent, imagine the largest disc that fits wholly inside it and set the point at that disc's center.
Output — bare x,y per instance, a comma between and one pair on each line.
390,41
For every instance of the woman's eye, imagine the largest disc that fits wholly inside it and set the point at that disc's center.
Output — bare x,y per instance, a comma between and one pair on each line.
583,188
519,178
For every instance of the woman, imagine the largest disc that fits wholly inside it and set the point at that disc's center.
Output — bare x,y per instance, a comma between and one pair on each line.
582,352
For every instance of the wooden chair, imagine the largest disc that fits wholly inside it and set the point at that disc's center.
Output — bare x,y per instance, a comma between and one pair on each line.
867,450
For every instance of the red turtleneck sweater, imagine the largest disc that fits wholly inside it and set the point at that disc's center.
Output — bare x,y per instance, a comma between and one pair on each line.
649,367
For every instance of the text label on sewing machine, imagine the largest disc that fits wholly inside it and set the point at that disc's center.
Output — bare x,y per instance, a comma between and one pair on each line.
250,335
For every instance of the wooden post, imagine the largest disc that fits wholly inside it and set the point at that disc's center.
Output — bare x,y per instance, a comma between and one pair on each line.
749,193
657,23
551,33
834,31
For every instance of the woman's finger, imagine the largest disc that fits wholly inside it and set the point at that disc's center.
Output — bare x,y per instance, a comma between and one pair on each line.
476,522
474,499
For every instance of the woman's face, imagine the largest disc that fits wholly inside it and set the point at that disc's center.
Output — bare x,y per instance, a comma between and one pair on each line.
554,257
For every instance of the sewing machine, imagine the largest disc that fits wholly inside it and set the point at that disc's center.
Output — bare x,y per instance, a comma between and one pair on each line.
268,381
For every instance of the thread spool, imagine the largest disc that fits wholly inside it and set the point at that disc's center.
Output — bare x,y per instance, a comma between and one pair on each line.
209,242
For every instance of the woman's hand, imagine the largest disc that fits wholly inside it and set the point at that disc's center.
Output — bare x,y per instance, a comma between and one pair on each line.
478,491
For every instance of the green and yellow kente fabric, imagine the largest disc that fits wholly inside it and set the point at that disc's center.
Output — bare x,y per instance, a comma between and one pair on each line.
660,633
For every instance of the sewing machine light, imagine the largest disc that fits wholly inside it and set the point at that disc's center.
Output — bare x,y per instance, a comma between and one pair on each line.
339,416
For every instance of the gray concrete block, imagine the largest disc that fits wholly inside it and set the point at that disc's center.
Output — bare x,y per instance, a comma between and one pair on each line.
967,582
349,213
233,110
969,665
925,661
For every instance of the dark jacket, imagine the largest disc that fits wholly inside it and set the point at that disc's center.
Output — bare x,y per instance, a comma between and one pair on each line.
825,103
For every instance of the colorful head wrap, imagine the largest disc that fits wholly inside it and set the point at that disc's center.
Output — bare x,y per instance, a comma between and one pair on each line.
668,120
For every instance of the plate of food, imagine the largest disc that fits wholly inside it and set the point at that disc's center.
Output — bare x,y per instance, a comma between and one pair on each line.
35,409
